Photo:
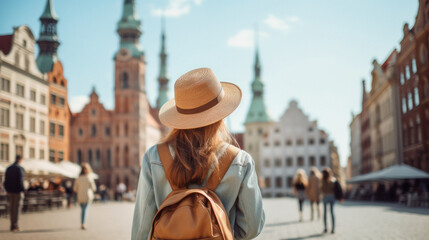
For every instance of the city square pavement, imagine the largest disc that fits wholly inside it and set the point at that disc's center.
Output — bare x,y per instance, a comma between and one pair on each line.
355,220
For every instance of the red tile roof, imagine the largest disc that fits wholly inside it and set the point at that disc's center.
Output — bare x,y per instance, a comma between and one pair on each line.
6,43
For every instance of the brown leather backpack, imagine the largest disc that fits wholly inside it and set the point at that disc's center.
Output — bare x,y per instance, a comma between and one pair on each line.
193,213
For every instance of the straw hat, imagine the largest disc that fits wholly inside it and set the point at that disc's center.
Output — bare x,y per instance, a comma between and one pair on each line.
199,100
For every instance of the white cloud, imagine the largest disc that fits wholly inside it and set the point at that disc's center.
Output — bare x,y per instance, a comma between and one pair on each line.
293,19
176,8
276,23
77,103
244,38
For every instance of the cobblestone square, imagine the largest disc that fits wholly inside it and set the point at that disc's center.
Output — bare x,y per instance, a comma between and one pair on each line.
355,220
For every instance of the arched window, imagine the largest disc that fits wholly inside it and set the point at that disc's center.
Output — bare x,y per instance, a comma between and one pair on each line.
407,72
79,157
414,65
124,80
416,96
117,157
93,130
108,159
62,83
404,105
126,156
402,79
410,101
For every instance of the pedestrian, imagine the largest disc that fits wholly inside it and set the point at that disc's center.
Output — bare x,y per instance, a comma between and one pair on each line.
14,185
299,185
313,191
120,191
195,146
68,186
84,187
329,184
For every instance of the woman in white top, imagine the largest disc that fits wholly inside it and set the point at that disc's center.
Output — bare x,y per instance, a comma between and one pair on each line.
84,187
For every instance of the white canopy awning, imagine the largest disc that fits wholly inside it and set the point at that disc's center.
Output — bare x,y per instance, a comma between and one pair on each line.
396,172
35,167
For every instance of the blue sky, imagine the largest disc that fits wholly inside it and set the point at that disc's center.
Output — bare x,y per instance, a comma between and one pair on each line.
316,52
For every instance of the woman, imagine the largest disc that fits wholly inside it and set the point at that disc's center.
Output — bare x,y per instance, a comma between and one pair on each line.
198,139
313,191
328,184
299,185
84,187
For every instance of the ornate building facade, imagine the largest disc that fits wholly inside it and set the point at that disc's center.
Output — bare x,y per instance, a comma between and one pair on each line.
413,72
114,141
23,99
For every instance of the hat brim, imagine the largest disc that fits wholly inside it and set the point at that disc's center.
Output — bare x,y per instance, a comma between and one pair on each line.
170,117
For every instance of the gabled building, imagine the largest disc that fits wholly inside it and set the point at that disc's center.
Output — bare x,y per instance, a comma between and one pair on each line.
24,95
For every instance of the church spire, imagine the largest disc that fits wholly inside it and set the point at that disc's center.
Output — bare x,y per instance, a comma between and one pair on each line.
48,39
162,78
257,111
129,29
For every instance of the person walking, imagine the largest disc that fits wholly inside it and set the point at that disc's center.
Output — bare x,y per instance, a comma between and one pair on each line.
313,191
328,191
197,142
14,185
84,187
299,185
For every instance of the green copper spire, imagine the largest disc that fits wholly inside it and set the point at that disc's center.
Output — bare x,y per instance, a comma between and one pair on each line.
257,111
48,40
162,78
129,29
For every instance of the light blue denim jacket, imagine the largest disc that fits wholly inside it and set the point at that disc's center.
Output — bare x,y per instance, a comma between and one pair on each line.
238,191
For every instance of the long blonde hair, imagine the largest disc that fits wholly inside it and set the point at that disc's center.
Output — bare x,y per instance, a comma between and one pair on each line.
300,177
315,172
195,151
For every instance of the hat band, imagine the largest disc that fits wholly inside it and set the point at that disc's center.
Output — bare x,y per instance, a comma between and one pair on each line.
203,107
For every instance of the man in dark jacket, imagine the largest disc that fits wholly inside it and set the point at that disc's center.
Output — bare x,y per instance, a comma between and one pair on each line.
14,185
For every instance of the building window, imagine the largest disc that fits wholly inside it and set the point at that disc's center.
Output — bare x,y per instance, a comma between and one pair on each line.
4,117
410,101
42,127
60,130
53,99
266,144
62,101
60,156
5,85
279,182
4,152
126,129
418,129
322,141
108,159
80,131
117,157
107,131
42,154
19,121
125,83
322,160
52,129
43,99
277,130
299,142
19,150
51,155
288,142
62,83
98,159
412,135
300,161
407,72
402,80
289,161
93,130
126,156
267,163
278,162
416,96
289,181
33,95
93,112
20,90
414,65
267,182
32,153
90,157
32,124
277,143
311,141
312,161
404,105
260,132
79,157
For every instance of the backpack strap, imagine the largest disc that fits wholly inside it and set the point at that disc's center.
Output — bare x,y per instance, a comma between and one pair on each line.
224,163
167,162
